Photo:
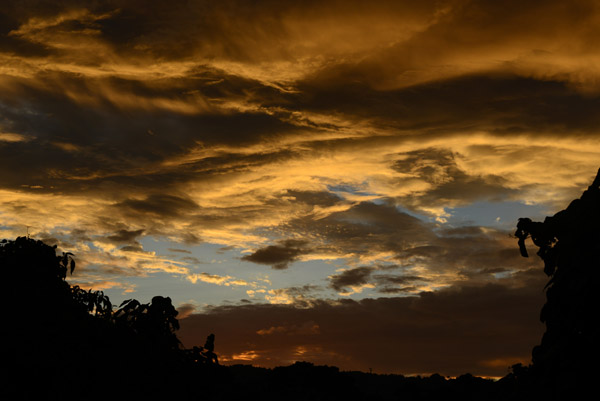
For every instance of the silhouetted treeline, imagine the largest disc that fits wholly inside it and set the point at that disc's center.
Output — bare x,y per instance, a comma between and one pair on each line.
66,343
69,343
304,381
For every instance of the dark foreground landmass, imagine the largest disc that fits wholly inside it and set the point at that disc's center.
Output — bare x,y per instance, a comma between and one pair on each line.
60,342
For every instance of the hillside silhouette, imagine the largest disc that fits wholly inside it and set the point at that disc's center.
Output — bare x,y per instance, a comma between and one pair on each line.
67,343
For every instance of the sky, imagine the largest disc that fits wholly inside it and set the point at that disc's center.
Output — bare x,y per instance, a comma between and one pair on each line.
330,181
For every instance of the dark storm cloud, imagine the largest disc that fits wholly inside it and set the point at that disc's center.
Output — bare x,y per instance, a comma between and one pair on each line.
191,239
367,219
451,185
160,205
470,254
481,257
70,138
230,30
365,226
398,290
477,257
132,248
107,125
398,279
185,310
314,198
15,44
476,36
486,328
180,29
398,284
462,253
278,256
352,277
80,235
496,103
125,236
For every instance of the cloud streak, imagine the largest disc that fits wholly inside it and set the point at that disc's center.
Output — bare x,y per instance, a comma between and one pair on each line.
282,141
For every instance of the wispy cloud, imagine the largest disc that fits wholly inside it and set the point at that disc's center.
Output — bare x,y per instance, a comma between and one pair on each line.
351,140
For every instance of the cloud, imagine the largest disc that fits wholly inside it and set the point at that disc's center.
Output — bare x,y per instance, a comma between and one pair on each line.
468,254
278,256
103,285
448,256
351,278
217,279
399,284
287,134
314,198
125,236
364,233
158,204
179,250
209,278
307,328
132,248
300,296
402,335
450,185
11,137
185,310
478,37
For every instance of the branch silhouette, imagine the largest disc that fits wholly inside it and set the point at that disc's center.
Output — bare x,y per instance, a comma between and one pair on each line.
57,331
569,245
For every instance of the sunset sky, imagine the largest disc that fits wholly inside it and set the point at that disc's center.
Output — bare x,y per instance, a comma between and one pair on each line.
329,181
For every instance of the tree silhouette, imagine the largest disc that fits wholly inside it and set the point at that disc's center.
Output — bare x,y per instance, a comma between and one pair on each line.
54,331
155,322
74,344
569,245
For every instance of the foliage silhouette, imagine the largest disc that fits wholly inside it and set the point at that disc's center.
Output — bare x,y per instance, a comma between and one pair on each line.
569,244
56,331
74,344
